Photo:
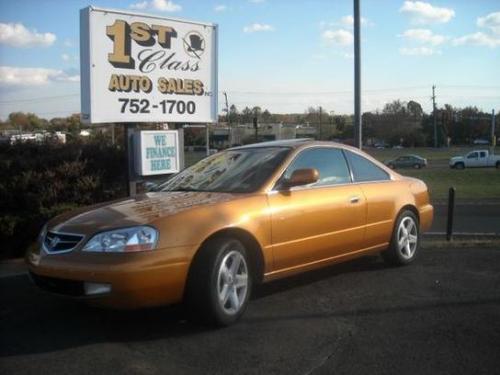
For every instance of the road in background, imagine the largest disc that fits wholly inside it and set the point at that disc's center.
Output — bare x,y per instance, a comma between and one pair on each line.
469,218
437,316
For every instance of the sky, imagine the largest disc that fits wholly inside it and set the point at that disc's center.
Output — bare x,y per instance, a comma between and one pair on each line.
283,55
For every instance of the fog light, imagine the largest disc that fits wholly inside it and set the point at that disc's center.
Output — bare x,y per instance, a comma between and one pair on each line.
92,289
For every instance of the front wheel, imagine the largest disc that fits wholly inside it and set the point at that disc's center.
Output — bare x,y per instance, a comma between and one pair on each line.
219,282
498,165
405,240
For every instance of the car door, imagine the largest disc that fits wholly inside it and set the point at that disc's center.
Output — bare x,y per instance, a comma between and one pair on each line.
471,160
380,193
317,221
483,159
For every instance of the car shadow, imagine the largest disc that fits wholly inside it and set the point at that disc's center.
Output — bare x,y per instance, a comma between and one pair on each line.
34,322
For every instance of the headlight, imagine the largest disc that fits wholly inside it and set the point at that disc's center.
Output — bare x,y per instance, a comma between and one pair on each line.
124,240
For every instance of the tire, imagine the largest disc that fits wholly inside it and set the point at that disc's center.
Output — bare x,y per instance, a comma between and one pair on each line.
460,166
392,166
416,166
405,240
497,165
219,282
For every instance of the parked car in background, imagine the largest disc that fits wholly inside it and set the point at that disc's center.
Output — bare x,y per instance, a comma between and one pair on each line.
475,159
407,161
245,215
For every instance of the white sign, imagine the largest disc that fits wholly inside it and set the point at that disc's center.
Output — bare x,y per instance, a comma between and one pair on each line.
143,68
156,152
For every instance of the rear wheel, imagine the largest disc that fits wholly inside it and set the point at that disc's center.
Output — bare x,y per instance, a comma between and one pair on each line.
416,166
220,282
460,166
498,165
405,240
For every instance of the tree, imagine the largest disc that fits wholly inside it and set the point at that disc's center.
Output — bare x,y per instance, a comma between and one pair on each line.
266,116
256,112
246,115
233,114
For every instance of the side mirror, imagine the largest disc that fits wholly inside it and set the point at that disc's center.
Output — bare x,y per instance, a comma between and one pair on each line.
301,177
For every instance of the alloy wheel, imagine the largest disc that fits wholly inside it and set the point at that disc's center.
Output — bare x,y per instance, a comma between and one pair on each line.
232,282
407,237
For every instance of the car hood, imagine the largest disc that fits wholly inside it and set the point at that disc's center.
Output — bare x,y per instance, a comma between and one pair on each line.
141,210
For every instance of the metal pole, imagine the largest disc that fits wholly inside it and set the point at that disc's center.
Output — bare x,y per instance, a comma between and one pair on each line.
207,135
451,208
357,78
320,111
228,120
128,138
434,115
493,137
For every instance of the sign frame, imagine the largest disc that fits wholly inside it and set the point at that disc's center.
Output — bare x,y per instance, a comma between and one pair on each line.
90,102
140,152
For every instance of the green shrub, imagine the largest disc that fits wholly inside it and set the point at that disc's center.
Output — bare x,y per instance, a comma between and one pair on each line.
39,181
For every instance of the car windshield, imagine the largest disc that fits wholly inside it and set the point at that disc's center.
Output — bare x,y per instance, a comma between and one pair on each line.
231,171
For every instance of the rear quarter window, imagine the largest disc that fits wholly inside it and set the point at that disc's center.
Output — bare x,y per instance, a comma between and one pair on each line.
364,170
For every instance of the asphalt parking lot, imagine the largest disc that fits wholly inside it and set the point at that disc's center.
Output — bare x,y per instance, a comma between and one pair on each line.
439,315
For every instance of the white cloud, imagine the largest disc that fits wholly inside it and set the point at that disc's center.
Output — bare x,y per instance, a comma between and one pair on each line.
349,21
16,35
160,5
220,8
424,36
340,37
478,39
418,51
65,57
425,13
491,21
12,76
139,5
257,27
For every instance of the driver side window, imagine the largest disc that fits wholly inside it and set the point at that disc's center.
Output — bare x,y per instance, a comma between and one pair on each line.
329,162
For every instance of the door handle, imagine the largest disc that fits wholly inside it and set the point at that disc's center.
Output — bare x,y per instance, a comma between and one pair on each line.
354,199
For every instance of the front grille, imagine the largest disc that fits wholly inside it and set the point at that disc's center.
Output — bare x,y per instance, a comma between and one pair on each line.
61,286
60,242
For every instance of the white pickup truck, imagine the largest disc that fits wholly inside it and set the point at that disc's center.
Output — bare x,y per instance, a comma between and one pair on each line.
475,159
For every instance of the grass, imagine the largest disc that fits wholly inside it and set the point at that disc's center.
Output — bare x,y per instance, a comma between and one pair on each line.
478,183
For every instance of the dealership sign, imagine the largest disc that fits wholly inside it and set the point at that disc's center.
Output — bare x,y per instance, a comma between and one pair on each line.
143,68
156,152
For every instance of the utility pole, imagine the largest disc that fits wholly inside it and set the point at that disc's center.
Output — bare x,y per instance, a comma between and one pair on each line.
320,111
227,108
434,115
493,137
228,120
357,77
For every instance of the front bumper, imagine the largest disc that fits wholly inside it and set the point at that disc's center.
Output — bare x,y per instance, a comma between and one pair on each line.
136,280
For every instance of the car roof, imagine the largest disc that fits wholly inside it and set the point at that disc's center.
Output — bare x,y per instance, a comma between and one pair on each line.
292,143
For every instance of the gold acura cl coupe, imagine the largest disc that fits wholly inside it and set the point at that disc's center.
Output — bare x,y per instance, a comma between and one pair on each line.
246,215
